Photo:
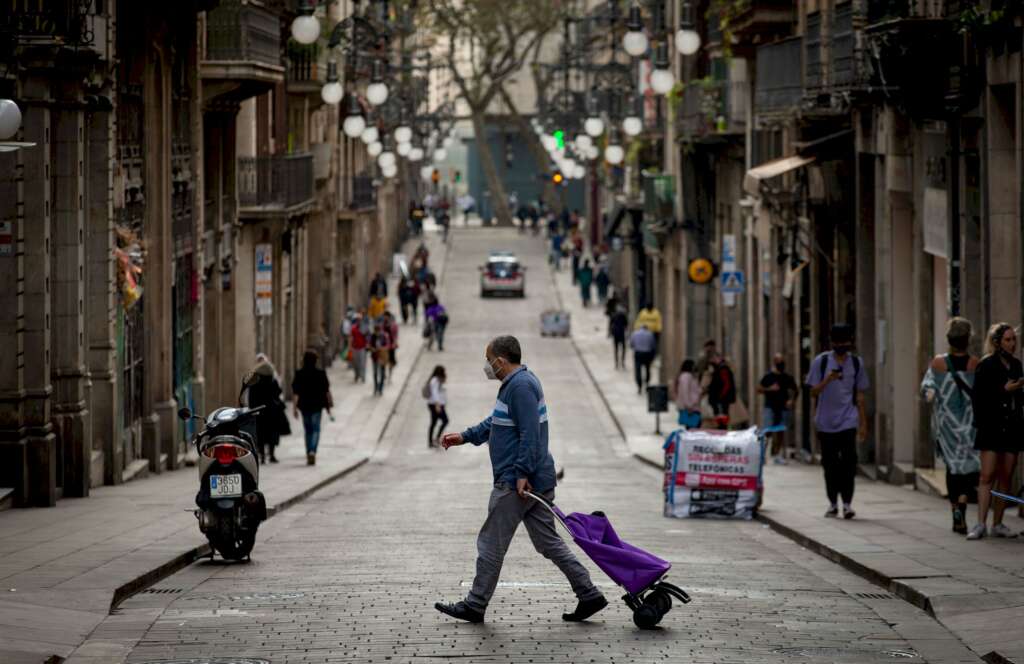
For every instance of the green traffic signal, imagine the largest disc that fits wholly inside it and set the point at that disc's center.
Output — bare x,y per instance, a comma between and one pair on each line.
560,137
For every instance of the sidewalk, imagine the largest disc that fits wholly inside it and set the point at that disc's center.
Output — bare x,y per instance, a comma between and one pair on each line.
63,569
901,538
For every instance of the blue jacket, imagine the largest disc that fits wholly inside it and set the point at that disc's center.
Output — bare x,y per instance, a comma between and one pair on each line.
517,431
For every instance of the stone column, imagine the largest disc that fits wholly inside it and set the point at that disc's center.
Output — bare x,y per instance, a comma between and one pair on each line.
161,423
39,486
70,378
101,299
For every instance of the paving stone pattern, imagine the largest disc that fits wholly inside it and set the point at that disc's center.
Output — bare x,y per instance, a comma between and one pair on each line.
351,574
60,567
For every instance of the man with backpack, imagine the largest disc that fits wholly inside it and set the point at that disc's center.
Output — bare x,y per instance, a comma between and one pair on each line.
838,381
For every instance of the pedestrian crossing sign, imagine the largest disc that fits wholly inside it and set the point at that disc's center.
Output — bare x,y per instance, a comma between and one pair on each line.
733,282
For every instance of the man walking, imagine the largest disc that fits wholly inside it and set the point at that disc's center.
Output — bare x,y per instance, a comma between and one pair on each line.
838,381
779,390
517,432
643,344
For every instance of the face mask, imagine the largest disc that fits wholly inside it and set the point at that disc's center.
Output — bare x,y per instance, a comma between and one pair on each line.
842,349
489,371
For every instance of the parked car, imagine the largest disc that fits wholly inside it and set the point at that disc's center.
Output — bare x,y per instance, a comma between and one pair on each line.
502,275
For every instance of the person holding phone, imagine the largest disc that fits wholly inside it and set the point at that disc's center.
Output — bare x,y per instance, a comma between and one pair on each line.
998,403
838,381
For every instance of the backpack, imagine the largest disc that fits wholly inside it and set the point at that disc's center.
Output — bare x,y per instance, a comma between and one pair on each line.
425,392
856,371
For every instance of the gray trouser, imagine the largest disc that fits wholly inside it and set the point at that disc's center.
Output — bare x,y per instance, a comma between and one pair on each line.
359,364
504,512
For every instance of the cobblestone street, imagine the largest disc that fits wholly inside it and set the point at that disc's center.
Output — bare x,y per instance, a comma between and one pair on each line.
351,574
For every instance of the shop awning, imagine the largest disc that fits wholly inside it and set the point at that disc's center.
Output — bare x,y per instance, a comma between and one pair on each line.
772,169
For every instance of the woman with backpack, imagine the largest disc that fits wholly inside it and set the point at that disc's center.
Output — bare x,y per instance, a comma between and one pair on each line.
948,386
436,394
998,403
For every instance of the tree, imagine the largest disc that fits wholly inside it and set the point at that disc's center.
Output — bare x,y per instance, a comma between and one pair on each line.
488,41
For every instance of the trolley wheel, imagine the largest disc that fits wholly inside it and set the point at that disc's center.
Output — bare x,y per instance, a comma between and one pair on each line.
646,617
660,600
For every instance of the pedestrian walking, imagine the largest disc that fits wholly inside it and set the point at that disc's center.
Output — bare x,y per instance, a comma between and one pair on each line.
312,395
602,281
437,323
947,386
378,287
378,305
391,326
704,361
650,316
576,249
416,216
586,279
721,390
686,394
408,296
999,423
437,400
617,326
837,380
360,333
272,422
345,351
779,389
556,250
517,433
643,345
379,348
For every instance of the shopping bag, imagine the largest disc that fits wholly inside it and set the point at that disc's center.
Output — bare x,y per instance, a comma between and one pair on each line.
713,474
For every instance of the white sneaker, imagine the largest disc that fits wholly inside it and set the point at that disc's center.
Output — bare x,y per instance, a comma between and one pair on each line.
977,532
1000,530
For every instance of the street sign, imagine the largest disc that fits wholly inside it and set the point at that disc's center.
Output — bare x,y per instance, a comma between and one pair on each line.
701,271
264,286
733,282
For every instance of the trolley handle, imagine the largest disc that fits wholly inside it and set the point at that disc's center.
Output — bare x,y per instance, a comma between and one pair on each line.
550,505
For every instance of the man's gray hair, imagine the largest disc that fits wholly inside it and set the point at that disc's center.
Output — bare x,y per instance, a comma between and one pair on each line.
507,346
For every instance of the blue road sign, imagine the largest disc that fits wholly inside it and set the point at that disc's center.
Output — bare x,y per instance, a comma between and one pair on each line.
733,282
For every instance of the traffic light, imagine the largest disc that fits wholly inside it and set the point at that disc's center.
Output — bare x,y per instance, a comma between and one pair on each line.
557,178
560,138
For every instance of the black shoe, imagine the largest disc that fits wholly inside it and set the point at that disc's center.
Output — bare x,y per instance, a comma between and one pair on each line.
586,609
273,459
461,611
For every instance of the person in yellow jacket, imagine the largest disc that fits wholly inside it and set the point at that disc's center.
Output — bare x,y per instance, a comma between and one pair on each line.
651,317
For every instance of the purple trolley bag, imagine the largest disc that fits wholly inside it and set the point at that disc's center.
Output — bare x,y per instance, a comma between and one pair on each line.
639,573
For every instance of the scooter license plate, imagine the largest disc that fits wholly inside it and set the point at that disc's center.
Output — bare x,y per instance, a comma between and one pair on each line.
225,486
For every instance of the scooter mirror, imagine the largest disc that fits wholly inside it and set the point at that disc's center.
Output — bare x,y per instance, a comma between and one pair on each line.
185,414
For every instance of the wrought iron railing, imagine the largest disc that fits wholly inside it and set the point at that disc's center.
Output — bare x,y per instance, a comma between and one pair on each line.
275,180
363,192
779,83
712,107
237,31
306,64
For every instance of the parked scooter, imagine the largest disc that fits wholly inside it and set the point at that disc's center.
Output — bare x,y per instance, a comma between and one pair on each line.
230,504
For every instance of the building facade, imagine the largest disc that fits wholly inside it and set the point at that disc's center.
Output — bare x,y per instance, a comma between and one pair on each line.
189,202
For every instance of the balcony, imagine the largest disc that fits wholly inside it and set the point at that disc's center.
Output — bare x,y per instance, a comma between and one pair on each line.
759,21
242,58
363,193
711,110
275,186
779,86
307,69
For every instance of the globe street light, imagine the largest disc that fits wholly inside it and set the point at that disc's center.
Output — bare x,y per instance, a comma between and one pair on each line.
386,158
426,172
632,125
635,41
594,126
416,154
354,123
306,28
377,90
583,141
403,134
687,39
403,149
662,79
332,92
440,155
370,135
10,119
389,171
614,153
375,148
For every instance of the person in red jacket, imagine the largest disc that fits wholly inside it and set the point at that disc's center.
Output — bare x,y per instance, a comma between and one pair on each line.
359,333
